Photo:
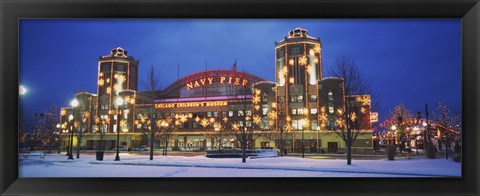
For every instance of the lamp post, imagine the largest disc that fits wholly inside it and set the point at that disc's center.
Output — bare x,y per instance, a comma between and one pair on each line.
416,129
425,139
70,137
393,128
118,102
74,104
303,123
58,137
445,138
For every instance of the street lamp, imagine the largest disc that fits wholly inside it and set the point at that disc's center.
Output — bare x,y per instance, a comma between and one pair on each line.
303,124
58,137
74,104
393,128
118,102
70,137
416,129
22,90
425,136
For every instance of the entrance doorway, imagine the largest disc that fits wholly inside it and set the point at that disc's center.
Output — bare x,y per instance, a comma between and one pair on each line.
332,147
265,145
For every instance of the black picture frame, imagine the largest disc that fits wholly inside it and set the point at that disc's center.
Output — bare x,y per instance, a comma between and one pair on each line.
11,11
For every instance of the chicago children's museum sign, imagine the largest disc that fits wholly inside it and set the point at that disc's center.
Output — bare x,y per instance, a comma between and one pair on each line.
192,104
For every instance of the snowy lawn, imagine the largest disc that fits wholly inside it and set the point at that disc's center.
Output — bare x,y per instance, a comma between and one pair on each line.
201,166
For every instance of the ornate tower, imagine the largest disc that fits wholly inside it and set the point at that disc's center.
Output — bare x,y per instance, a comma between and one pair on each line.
298,60
116,72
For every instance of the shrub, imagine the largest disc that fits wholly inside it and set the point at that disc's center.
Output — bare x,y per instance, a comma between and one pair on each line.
457,148
391,152
457,157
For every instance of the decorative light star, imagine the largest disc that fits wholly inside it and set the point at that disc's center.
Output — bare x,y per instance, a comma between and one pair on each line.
365,100
291,62
101,82
317,48
256,99
353,116
302,60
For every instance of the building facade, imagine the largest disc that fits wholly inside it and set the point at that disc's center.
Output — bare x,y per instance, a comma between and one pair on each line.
207,110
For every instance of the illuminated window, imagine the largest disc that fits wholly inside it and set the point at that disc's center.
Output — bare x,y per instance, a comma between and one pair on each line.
264,98
313,98
215,114
295,125
300,99
313,110
296,98
294,111
300,112
330,96
293,98
230,113
115,128
104,106
240,123
114,117
249,112
291,80
248,123
314,125
330,110
209,114
103,127
264,111
240,113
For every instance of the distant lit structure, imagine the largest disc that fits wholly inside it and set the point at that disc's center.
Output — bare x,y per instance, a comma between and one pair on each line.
299,100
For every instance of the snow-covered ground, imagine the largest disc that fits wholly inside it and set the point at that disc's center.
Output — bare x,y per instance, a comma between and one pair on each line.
200,166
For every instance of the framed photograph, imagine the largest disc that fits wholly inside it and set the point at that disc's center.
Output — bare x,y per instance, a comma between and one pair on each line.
214,98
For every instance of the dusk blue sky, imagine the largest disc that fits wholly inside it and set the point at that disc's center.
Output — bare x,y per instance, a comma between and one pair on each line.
410,61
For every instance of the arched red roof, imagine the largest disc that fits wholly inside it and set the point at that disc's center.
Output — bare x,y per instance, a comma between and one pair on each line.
210,73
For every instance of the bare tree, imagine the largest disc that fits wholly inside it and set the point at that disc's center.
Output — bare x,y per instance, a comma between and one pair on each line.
151,85
83,124
101,126
349,125
216,128
166,129
45,132
247,129
22,135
